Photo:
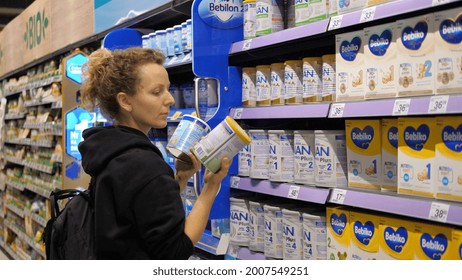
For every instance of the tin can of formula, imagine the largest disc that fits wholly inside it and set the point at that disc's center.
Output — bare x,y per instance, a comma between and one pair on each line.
293,85
277,84
190,130
304,157
330,158
281,160
245,161
259,153
263,85
249,93
312,79
239,222
225,140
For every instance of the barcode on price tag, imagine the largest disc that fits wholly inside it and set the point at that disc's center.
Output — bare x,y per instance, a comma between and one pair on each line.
439,212
235,182
336,110
293,192
438,104
238,113
401,107
338,196
246,44
335,22
367,14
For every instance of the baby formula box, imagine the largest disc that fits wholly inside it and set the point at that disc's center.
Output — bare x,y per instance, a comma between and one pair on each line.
281,159
259,152
292,234
389,154
456,247
448,50
293,77
190,130
416,51
432,242
250,20
328,77
304,157
302,12
263,85
330,158
448,158
350,66
245,160
239,222
225,140
277,84
338,233
249,93
314,236
318,10
256,226
416,153
396,237
270,16
379,61
364,153
312,79
350,5
289,14
273,232
332,9
364,236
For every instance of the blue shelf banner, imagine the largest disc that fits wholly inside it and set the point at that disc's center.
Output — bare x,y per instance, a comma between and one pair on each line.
77,120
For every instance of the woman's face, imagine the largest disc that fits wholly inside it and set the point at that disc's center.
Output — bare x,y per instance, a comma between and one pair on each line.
152,101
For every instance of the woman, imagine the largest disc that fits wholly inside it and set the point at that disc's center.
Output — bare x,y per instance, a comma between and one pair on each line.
139,213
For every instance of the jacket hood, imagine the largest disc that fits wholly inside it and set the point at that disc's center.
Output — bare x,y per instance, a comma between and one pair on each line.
102,144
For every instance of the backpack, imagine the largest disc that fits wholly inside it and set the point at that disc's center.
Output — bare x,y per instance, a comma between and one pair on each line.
70,233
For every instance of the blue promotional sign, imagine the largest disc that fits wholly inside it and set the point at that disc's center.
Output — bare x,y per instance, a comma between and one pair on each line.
74,67
77,120
221,14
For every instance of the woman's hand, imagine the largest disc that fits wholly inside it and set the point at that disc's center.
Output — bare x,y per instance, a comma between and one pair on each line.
213,180
185,170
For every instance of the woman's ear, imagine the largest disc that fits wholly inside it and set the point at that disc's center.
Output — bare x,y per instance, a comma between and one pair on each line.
124,101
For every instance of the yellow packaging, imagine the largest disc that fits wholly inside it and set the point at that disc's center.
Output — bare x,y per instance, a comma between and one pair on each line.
389,154
364,236
416,154
432,242
249,94
448,158
293,81
363,140
395,239
277,84
349,58
456,248
338,233
328,77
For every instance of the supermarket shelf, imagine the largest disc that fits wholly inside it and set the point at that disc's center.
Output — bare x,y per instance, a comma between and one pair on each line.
212,244
409,206
245,254
35,217
35,84
15,185
23,236
175,115
34,103
38,190
40,167
29,142
424,105
315,110
11,252
16,210
15,116
298,192
14,160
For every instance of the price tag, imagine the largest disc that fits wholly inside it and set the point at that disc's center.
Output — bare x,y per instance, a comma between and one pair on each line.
438,104
335,22
336,110
238,113
401,107
440,2
235,182
246,44
367,14
293,192
176,115
439,212
337,196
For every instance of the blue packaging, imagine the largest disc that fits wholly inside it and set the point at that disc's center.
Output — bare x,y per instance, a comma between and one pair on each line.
145,40
161,39
177,39
152,40
170,42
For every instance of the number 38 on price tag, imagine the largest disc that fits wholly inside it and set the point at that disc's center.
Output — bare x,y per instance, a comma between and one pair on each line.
439,212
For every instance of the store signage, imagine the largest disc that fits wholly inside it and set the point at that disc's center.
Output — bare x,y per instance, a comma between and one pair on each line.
222,14
36,27
77,120
74,67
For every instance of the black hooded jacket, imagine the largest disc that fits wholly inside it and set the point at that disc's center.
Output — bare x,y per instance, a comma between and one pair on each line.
138,208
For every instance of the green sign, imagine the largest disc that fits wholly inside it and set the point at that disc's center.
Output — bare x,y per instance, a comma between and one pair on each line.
35,29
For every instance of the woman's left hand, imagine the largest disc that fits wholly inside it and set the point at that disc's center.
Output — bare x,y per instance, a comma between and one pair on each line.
185,170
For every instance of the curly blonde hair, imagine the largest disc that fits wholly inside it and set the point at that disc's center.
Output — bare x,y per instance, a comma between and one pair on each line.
109,72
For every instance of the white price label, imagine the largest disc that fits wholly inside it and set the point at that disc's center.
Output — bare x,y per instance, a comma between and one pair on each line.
336,110
293,192
235,182
439,212
246,44
401,107
337,196
438,104
335,22
238,113
367,14
441,2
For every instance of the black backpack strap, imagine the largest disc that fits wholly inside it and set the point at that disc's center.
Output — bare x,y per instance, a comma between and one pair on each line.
58,195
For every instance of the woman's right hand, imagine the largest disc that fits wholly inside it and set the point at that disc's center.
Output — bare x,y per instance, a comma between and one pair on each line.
213,180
